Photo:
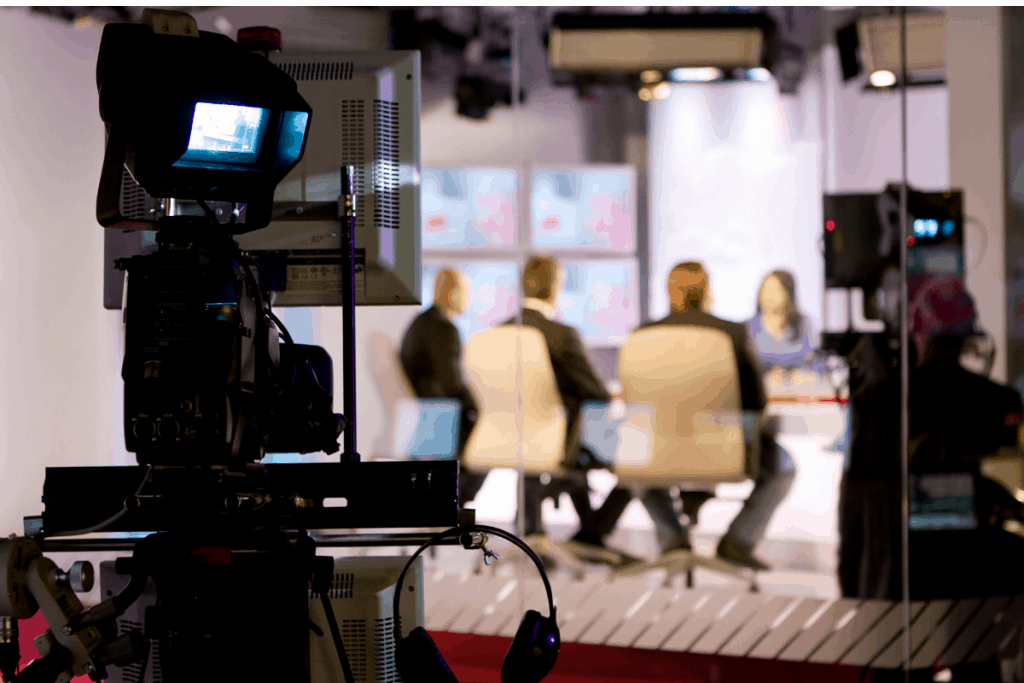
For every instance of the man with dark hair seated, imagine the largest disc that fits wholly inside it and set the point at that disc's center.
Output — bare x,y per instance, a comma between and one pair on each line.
687,289
576,379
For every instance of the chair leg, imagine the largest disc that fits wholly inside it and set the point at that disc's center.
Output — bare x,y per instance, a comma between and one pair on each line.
545,548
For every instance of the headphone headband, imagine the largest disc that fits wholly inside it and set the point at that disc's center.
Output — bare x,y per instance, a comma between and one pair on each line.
457,531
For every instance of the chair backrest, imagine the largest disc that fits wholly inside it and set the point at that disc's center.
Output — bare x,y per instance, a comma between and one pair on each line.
396,391
502,365
688,376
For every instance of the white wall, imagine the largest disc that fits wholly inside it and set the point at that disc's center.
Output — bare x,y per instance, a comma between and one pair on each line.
734,183
741,191
864,134
550,130
977,143
60,397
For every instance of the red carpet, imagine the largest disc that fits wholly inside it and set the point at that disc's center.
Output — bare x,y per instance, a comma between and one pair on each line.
477,659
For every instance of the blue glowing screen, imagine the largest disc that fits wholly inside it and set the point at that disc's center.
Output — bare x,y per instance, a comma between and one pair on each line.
293,132
930,227
226,133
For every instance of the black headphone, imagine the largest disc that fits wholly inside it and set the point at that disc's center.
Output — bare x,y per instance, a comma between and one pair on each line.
531,656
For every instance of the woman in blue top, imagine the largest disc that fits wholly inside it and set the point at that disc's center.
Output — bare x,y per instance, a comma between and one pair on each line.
779,332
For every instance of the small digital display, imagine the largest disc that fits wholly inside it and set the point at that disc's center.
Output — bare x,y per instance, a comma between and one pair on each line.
931,227
942,502
226,133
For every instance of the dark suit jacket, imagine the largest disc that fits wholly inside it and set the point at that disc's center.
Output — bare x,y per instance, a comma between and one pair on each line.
751,378
431,351
577,381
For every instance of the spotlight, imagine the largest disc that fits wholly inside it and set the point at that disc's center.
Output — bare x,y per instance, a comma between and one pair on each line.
704,74
646,94
662,91
883,79
759,74
650,76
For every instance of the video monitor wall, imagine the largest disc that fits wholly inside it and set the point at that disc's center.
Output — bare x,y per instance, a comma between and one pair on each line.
584,215
584,208
468,207
599,299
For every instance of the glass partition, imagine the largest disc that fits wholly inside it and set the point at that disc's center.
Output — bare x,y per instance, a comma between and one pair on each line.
708,260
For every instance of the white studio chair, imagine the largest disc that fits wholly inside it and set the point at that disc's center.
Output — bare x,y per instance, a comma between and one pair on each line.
506,365
691,433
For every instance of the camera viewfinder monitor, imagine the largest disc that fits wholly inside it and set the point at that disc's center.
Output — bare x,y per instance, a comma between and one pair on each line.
224,134
366,114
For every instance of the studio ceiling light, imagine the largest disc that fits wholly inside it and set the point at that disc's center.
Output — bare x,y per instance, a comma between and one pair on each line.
883,79
704,74
650,76
630,43
759,74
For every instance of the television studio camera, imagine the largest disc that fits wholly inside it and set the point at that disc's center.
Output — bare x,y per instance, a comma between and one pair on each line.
222,580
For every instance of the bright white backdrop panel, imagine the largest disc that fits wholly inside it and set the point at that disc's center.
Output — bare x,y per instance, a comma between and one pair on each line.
730,188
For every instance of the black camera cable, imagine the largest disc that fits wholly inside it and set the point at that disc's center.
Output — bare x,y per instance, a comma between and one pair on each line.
332,619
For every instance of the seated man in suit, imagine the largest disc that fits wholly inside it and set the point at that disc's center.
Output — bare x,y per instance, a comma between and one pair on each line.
576,379
431,356
687,289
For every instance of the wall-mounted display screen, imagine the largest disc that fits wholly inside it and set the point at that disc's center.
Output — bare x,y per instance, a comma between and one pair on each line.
586,208
599,299
493,296
468,207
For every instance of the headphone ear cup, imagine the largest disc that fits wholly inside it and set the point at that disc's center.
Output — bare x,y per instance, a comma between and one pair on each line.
534,650
418,659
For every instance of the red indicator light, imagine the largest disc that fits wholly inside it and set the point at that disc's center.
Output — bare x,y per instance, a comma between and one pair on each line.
911,241
830,225
259,38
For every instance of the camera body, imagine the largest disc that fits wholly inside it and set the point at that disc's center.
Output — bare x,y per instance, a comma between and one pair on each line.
207,380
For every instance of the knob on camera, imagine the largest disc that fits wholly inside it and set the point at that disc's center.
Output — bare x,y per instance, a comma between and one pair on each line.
80,578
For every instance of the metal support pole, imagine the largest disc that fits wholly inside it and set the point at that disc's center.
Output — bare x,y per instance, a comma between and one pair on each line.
348,288
904,359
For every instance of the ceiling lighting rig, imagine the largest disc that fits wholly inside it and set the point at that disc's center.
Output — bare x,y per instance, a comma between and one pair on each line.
871,45
651,52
